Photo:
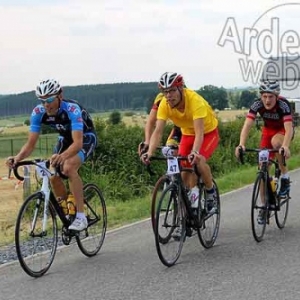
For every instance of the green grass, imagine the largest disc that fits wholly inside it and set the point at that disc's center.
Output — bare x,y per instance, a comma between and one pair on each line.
122,213
13,120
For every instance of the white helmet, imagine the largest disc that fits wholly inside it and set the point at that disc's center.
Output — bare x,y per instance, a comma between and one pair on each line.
170,79
48,87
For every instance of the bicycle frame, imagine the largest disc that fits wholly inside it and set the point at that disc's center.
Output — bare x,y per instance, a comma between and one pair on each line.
174,170
47,194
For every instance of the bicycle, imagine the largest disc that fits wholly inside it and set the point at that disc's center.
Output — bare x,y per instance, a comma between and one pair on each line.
266,201
36,231
174,211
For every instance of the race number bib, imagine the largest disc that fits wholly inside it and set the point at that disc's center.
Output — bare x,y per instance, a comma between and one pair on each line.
263,156
40,169
173,166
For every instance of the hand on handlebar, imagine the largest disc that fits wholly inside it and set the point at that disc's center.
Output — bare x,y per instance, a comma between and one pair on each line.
193,157
145,158
10,162
238,150
143,148
285,151
57,160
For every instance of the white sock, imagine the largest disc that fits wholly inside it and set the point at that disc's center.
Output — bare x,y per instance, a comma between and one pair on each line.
80,215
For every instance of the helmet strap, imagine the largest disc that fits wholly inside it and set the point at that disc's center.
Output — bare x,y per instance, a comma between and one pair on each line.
181,97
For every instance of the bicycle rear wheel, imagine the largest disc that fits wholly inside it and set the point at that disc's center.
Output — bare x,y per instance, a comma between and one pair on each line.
91,240
210,221
170,226
259,210
36,247
282,213
159,187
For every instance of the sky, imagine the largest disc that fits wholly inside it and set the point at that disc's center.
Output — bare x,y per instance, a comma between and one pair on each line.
107,41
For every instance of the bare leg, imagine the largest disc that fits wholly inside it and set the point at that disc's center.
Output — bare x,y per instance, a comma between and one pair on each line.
205,172
277,141
70,169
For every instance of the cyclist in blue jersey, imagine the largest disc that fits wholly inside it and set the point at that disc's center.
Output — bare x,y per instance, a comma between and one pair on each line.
76,142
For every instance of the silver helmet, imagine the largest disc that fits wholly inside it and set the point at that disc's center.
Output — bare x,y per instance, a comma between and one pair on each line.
269,86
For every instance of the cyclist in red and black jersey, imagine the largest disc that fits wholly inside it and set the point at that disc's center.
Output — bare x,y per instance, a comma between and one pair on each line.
277,131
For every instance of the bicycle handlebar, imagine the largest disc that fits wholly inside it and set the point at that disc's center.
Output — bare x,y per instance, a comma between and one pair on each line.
180,158
35,163
257,150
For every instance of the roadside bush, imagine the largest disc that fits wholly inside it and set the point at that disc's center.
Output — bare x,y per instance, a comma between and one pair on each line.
117,168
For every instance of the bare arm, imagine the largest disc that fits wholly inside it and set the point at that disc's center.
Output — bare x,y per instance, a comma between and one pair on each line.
244,135
199,134
156,136
289,132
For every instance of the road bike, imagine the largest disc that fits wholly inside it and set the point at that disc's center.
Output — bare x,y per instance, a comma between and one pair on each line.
41,216
266,200
173,211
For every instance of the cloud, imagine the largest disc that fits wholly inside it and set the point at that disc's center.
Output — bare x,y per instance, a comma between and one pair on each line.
91,41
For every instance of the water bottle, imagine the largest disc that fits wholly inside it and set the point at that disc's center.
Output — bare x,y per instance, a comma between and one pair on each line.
63,204
273,184
275,179
60,192
194,197
58,187
71,205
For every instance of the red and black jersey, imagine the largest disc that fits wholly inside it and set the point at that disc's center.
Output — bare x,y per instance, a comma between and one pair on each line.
275,117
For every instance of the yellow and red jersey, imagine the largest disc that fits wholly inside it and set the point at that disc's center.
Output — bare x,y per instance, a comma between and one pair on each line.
196,107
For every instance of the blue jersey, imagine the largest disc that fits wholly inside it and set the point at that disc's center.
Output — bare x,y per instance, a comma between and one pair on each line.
70,116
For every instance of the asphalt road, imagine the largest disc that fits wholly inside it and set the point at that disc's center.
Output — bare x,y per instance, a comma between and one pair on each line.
128,267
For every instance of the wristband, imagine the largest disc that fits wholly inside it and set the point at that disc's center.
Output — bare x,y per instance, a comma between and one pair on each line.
195,151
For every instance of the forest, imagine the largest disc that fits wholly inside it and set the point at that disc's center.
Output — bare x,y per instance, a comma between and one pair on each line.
123,96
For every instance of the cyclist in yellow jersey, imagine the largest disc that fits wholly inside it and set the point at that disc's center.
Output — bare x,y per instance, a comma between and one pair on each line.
174,136
199,126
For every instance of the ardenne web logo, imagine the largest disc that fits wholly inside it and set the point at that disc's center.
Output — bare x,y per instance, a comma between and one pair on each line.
268,52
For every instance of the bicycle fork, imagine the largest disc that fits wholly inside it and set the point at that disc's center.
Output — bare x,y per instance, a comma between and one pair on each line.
44,196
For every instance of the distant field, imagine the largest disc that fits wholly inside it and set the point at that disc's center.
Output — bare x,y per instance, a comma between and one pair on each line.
137,119
141,118
13,120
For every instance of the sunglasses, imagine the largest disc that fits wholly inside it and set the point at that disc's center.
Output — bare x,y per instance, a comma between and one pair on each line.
48,100
169,91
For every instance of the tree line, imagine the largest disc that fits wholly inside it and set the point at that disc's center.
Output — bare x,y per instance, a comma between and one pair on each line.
123,96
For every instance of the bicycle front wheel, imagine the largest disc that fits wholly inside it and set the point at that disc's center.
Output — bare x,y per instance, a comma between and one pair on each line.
159,187
210,221
170,226
91,240
282,212
36,235
259,210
